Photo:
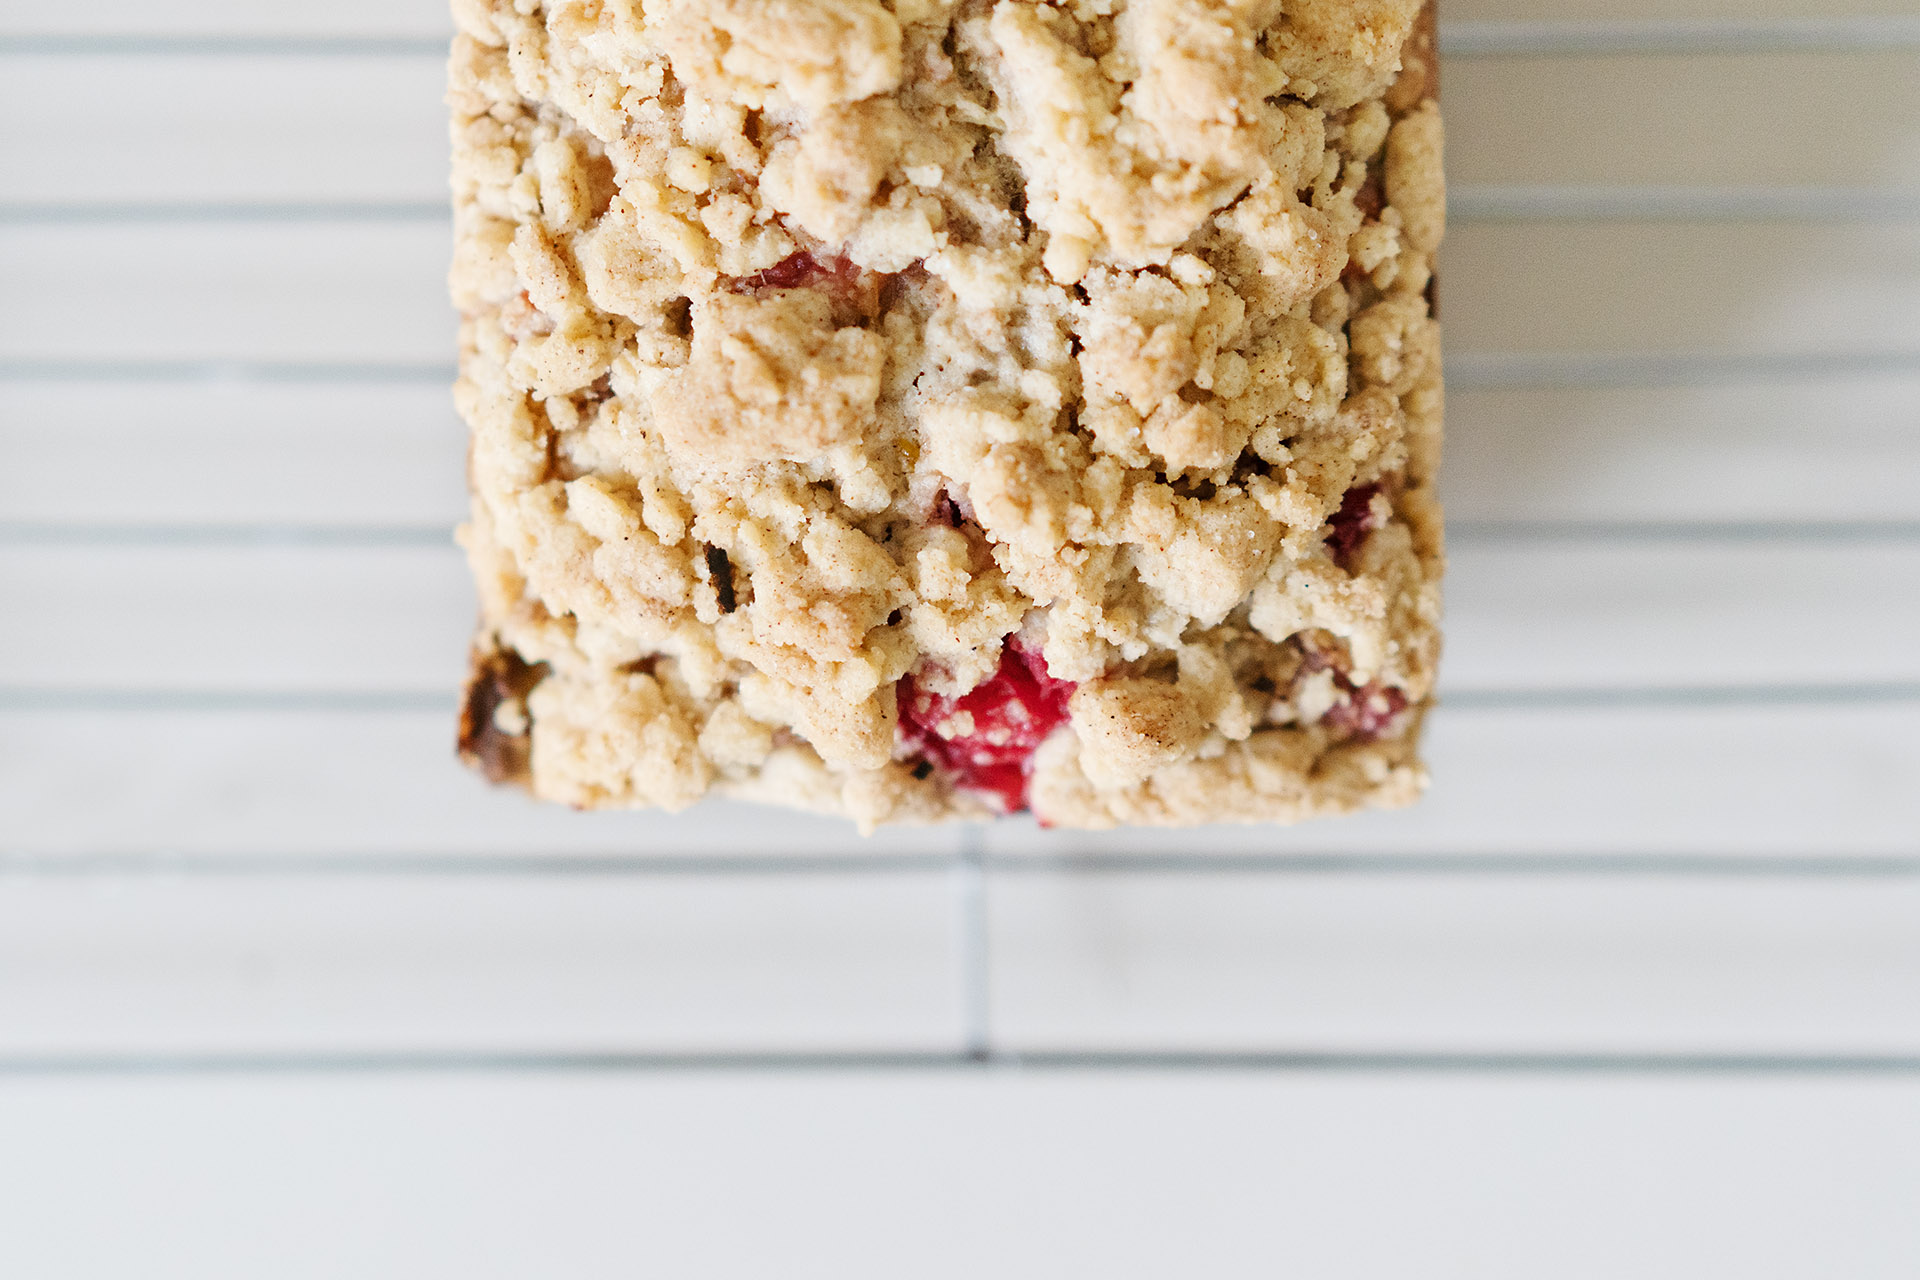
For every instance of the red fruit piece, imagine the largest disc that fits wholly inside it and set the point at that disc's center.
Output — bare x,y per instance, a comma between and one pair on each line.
838,275
791,272
1368,712
1350,525
855,293
1012,711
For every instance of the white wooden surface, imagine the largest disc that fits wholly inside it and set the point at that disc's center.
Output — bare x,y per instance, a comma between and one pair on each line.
328,964
1131,1175
285,992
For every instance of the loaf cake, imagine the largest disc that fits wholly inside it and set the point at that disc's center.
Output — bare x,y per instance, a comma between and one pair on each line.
931,409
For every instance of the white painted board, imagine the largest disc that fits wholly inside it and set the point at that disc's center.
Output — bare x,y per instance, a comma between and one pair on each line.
1789,780
343,965
1517,964
1140,1174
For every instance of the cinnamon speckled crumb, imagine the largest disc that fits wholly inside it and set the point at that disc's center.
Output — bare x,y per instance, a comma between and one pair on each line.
1067,367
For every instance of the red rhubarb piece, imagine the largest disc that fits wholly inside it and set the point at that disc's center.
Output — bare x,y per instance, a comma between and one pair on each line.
791,272
1369,711
1012,713
1350,525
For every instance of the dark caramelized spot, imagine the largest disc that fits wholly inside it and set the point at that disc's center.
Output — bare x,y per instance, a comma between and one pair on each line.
895,288
720,573
1369,199
677,317
923,771
599,393
953,512
1248,465
1372,195
601,182
497,678
1419,76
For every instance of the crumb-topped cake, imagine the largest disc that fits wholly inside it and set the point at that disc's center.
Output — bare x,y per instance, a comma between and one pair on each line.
920,409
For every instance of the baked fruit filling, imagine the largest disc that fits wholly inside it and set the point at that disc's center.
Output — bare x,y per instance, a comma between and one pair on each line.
930,410
985,738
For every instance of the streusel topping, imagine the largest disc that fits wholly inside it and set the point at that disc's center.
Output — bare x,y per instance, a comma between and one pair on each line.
821,354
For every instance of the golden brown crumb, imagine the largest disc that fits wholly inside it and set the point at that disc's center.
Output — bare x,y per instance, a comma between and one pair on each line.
1067,367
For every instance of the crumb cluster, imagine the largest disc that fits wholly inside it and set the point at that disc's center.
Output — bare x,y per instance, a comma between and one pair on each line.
863,388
